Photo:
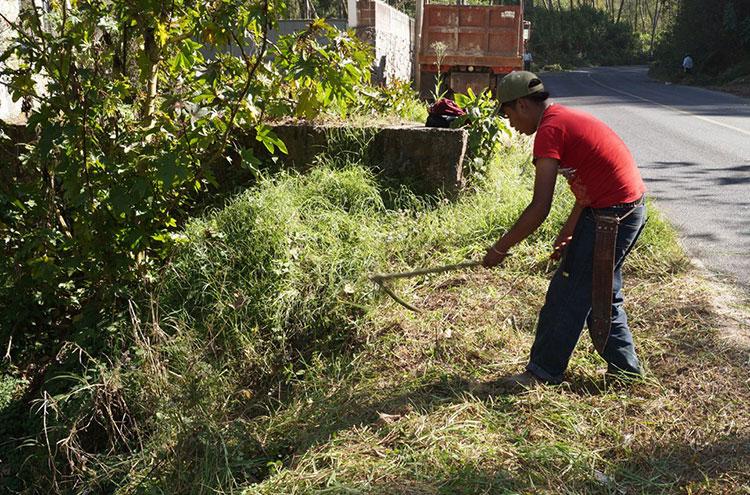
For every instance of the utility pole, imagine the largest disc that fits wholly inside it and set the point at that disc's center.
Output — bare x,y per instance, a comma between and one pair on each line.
418,45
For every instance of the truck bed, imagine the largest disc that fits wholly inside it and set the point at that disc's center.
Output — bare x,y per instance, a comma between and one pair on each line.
475,35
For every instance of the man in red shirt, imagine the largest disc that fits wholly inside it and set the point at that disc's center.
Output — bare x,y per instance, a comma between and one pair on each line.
605,222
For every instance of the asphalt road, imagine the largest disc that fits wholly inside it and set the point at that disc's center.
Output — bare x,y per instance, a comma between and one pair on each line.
693,148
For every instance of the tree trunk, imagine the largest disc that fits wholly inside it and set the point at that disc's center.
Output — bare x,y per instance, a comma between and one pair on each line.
619,11
654,23
153,52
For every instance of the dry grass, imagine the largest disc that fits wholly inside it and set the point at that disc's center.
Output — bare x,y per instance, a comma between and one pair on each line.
417,411
279,370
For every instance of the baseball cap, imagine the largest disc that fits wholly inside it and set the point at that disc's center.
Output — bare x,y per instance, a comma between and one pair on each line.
518,84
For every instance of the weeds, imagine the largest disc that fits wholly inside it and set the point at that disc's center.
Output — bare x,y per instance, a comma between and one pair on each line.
267,363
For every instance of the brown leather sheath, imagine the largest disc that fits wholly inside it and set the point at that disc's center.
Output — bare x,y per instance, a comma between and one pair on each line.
601,290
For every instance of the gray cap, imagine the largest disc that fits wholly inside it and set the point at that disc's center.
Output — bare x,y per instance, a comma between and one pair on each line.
518,84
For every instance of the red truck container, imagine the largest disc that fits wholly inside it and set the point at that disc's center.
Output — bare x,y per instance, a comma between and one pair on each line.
482,43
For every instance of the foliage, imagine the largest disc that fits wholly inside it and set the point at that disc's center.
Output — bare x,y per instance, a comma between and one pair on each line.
487,131
397,99
136,105
717,38
281,270
580,36
322,68
260,291
438,90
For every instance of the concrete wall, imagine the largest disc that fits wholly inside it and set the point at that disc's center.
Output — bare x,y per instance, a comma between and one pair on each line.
391,32
426,159
9,110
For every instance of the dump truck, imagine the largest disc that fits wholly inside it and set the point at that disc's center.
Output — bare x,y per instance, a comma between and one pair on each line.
475,45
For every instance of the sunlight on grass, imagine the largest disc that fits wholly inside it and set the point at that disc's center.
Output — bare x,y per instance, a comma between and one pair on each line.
269,363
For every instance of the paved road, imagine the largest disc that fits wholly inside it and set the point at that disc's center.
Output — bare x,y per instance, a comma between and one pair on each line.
693,148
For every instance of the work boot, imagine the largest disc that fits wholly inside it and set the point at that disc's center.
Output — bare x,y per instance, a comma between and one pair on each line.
520,381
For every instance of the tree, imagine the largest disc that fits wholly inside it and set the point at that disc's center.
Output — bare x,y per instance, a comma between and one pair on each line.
136,104
716,35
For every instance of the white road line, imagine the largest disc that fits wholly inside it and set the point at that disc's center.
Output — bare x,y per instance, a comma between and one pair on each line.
679,110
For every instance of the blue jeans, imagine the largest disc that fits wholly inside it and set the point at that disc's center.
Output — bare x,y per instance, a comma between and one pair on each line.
568,303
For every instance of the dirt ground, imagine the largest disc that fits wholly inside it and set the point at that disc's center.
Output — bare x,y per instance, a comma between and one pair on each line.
732,304
739,87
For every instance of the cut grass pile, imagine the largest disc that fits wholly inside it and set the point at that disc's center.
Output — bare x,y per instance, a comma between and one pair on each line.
268,363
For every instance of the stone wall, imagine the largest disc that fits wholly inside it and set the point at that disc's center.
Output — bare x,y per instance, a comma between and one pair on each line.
391,32
427,160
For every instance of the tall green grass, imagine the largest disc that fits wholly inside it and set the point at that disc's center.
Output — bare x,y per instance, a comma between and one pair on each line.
257,293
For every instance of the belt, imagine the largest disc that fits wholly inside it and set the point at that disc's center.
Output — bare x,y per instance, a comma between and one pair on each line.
625,206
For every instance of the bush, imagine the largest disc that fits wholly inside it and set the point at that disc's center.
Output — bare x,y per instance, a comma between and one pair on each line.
253,288
487,130
396,99
286,261
129,125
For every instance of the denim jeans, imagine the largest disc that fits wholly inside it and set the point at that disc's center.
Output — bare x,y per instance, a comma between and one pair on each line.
568,303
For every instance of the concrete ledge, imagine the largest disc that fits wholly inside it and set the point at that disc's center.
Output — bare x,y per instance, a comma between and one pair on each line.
426,159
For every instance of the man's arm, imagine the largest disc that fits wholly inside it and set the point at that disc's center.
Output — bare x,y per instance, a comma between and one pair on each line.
566,233
532,217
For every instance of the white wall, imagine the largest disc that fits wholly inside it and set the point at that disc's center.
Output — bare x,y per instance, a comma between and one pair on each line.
391,32
9,110
394,40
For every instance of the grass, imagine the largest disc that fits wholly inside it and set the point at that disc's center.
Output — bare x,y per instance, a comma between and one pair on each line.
268,363
431,423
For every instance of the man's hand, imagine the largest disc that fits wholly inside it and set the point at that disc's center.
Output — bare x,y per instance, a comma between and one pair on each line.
493,257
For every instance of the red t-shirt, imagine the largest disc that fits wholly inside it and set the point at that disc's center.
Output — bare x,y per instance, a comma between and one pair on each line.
599,167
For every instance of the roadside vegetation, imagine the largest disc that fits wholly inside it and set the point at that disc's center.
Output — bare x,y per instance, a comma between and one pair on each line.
718,40
265,361
162,334
581,36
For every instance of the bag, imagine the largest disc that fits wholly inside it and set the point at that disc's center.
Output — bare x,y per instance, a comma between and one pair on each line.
443,112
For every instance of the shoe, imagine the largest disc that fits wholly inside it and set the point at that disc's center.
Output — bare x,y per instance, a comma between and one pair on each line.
521,381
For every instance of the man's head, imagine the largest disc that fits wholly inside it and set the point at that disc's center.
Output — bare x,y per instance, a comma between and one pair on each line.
522,100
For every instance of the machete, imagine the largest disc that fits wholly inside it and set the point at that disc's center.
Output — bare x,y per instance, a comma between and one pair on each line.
381,278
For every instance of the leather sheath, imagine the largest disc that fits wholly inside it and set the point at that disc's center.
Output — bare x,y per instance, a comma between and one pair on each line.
603,279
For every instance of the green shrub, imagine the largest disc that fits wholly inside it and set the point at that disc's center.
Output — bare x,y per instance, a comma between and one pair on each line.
396,99
120,154
286,260
581,36
487,131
